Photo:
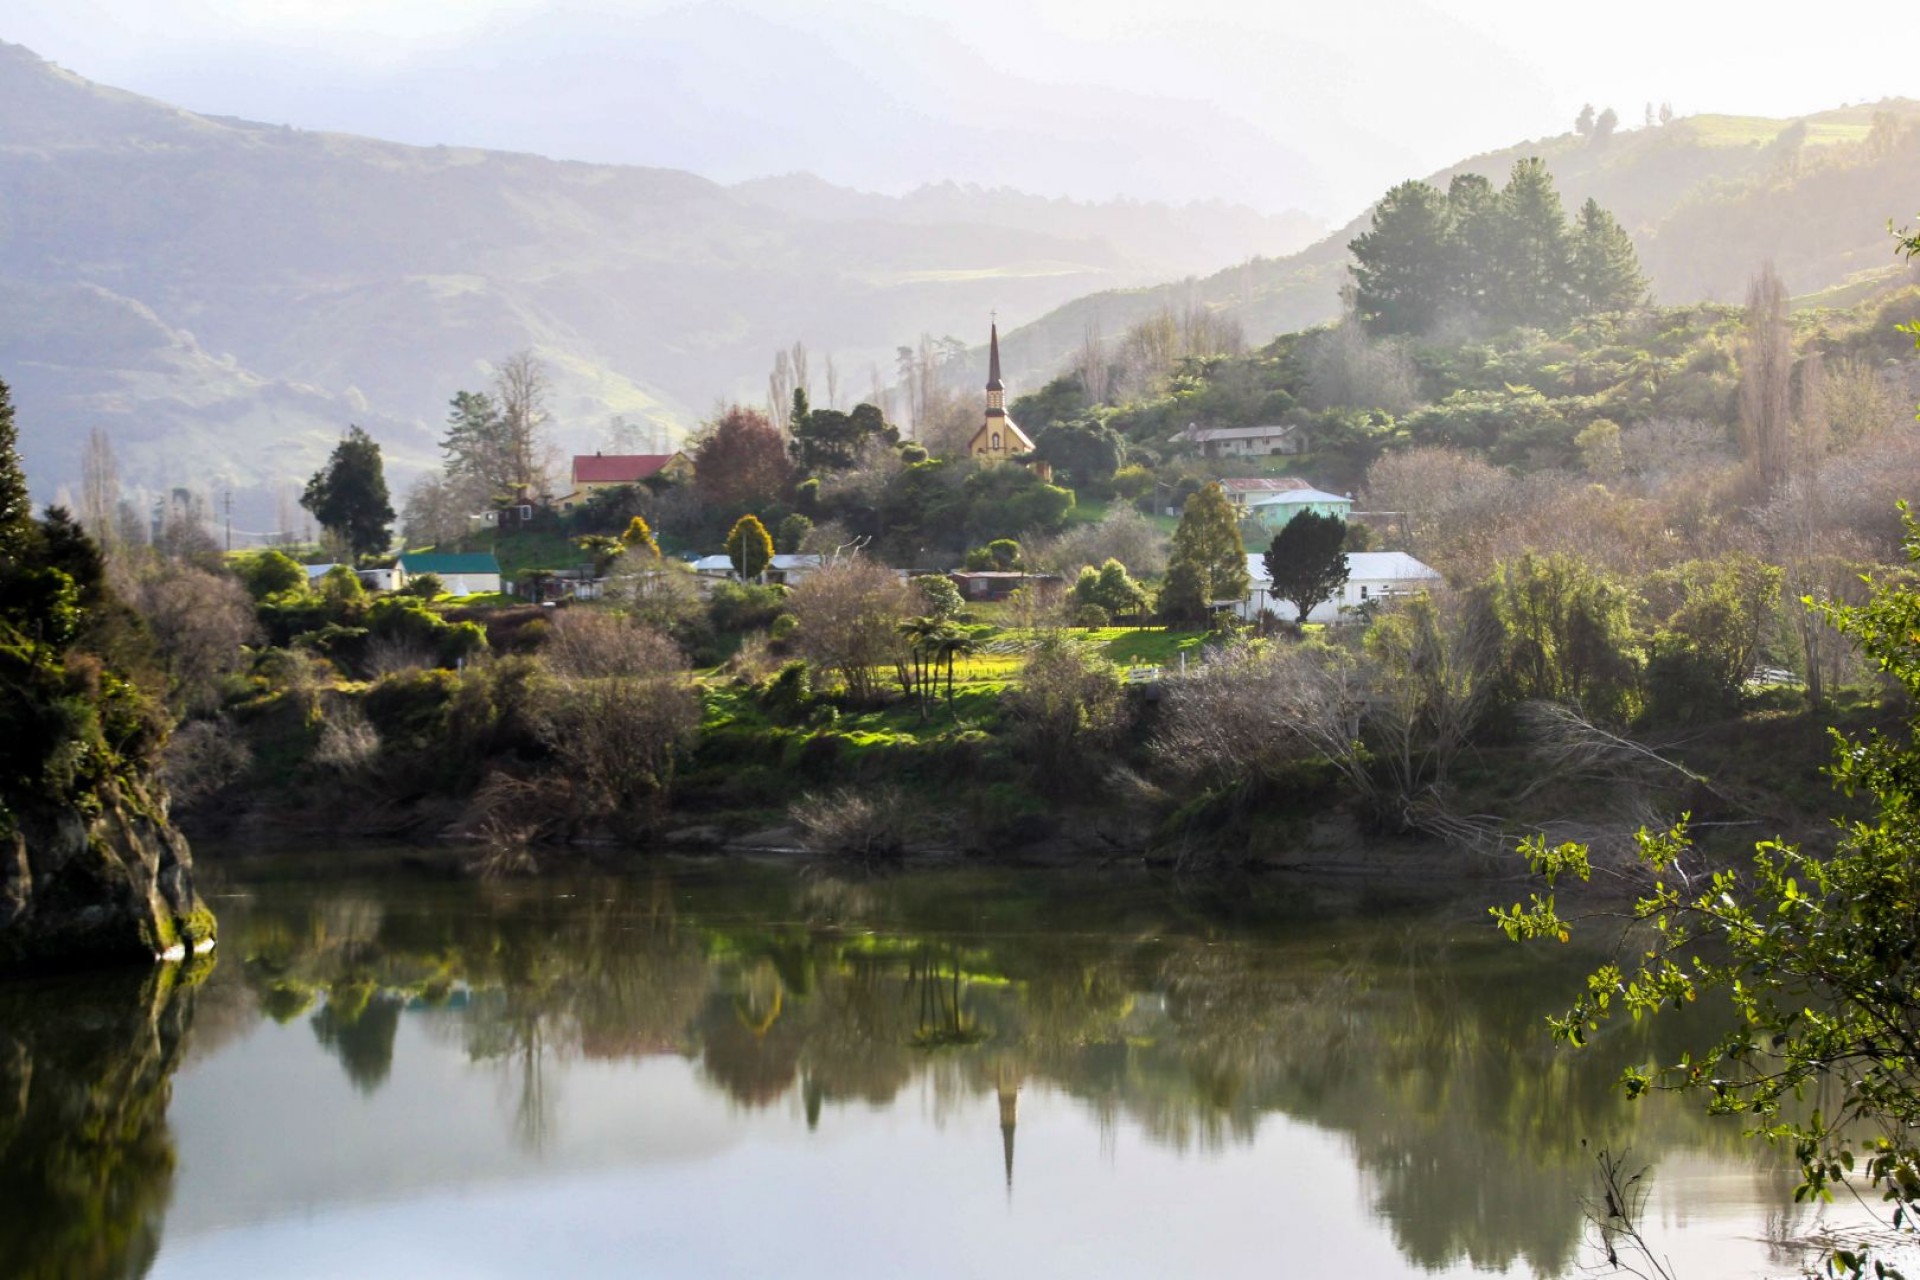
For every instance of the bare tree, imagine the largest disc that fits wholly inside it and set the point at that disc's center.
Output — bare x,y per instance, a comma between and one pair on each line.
802,369
438,509
199,621
1122,534
1812,426
618,710
1090,363
1347,368
1860,405
780,392
1766,373
1822,562
833,383
100,490
1443,505
849,616
659,594
521,388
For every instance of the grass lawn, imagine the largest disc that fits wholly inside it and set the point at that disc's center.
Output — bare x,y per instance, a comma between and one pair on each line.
1128,647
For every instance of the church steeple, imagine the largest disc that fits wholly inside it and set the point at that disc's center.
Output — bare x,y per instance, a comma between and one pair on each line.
996,390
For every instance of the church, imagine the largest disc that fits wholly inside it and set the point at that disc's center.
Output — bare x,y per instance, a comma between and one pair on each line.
999,438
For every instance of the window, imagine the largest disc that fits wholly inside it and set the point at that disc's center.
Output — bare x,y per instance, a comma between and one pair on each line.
996,441
1363,591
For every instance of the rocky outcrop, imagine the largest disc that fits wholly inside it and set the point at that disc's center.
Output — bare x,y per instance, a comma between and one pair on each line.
111,885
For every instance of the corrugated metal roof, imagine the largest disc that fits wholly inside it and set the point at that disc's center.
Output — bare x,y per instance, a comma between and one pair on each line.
1364,566
1264,484
446,562
1297,495
617,468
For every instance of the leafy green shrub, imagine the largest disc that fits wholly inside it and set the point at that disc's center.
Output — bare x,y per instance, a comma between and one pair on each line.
411,707
787,693
272,573
739,606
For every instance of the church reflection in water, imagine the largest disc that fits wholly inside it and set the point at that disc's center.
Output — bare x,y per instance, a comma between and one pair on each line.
1185,1016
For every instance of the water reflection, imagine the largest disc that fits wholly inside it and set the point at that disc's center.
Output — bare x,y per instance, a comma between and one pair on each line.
1189,1019
86,1159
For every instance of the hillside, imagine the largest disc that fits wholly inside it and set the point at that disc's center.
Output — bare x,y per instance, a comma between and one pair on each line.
1706,199
264,286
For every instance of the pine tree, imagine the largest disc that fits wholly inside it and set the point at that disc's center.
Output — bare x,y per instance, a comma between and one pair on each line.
1400,267
348,496
1208,562
749,547
1473,207
16,505
1606,270
1535,248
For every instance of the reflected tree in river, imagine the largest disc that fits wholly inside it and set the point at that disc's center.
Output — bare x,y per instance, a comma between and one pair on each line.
86,1158
1196,1016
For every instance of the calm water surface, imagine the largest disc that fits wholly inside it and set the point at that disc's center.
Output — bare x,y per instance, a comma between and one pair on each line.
740,1070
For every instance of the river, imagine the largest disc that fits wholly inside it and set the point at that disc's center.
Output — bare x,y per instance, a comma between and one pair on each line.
736,1069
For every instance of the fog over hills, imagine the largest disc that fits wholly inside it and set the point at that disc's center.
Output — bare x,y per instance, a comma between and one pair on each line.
224,296
1706,198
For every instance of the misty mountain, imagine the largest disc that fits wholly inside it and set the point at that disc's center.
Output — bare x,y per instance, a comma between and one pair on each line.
1706,198
225,297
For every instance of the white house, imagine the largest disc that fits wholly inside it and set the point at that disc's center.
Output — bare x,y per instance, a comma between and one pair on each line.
789,569
1371,576
1242,442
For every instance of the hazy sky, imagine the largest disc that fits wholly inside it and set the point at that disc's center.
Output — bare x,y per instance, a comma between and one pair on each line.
1277,104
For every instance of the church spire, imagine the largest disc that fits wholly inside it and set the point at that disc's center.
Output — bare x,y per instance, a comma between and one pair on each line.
996,390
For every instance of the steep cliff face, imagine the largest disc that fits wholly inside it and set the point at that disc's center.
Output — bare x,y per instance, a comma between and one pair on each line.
116,885
90,868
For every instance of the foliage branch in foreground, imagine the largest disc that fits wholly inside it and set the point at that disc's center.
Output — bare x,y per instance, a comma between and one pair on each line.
1817,957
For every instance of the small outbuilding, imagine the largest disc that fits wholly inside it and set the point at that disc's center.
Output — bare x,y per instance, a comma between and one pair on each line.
463,574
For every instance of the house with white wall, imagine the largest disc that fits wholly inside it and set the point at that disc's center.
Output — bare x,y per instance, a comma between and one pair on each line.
1372,576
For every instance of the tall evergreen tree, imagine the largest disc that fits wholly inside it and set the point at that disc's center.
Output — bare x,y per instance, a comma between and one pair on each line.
1208,561
1400,268
1473,207
1535,248
1606,270
348,496
475,444
1307,561
16,506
